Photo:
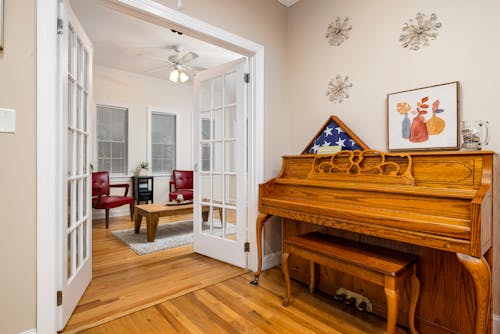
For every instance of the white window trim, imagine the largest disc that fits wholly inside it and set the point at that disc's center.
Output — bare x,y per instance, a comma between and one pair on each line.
166,111
130,138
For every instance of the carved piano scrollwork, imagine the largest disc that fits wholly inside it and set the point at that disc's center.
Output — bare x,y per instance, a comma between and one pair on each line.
365,166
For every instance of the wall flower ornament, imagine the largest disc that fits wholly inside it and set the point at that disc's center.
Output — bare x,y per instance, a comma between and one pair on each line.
338,31
338,89
418,32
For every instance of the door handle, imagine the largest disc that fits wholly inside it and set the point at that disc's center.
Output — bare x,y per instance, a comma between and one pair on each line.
195,168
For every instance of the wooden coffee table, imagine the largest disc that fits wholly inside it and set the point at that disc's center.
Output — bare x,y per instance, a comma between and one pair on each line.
153,212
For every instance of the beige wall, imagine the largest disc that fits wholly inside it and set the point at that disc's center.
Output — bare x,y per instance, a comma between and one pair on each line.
119,88
18,170
465,50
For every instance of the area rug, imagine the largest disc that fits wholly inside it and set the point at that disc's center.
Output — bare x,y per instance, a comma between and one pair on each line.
169,235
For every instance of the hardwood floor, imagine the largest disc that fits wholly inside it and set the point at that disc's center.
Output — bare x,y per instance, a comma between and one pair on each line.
124,282
234,306
177,291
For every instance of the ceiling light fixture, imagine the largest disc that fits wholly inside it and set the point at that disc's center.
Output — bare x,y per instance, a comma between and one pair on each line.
174,76
178,74
183,76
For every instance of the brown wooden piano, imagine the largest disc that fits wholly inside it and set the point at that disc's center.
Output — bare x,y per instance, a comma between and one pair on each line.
437,205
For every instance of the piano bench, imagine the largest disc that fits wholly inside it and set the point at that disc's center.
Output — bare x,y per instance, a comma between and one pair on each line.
384,267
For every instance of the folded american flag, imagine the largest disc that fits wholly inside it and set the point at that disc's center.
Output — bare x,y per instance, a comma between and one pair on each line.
333,135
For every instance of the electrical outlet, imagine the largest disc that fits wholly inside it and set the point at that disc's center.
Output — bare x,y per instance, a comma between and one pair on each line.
359,298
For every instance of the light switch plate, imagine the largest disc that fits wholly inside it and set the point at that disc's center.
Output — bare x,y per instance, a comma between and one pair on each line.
7,120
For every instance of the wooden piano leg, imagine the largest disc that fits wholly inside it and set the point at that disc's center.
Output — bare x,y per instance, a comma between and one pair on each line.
286,272
480,272
312,282
261,219
415,292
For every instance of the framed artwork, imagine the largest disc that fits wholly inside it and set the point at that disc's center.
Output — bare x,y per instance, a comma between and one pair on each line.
424,118
1,25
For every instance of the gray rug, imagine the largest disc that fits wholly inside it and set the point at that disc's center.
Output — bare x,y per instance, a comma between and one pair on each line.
169,235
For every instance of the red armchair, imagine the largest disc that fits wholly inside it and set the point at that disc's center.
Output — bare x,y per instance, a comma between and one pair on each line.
181,185
101,198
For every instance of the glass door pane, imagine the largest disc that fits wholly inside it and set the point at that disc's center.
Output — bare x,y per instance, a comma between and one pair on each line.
78,194
218,145
220,153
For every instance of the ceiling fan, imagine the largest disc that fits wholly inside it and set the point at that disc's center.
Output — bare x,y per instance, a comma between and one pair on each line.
178,64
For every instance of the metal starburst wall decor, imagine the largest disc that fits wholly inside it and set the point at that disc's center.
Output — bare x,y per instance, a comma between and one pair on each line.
338,31
338,89
418,33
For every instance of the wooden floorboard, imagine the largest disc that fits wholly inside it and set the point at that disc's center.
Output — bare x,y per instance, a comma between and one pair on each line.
124,282
235,306
178,291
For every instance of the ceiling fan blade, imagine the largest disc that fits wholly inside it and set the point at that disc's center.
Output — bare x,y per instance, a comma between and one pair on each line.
190,56
195,68
173,58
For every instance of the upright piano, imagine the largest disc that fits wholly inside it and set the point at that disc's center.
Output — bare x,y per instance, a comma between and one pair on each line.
438,205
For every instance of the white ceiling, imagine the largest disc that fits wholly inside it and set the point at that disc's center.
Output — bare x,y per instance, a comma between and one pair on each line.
127,43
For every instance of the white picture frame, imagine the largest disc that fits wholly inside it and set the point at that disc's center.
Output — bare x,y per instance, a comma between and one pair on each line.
425,118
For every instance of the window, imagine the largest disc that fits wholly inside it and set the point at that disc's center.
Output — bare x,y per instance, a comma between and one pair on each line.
163,142
205,154
112,139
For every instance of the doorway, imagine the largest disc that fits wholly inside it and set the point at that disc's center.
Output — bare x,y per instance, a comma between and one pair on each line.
171,18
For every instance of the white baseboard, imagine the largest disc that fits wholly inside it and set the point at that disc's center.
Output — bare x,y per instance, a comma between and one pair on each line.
32,331
118,212
271,260
496,324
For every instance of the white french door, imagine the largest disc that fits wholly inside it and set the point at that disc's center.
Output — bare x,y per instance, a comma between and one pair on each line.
220,153
75,55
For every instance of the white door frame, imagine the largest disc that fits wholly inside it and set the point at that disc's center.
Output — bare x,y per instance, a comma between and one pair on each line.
47,116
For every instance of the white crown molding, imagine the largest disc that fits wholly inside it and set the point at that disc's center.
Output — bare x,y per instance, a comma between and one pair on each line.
288,3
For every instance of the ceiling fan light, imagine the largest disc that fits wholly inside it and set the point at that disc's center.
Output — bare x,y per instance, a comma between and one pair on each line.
184,77
174,76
